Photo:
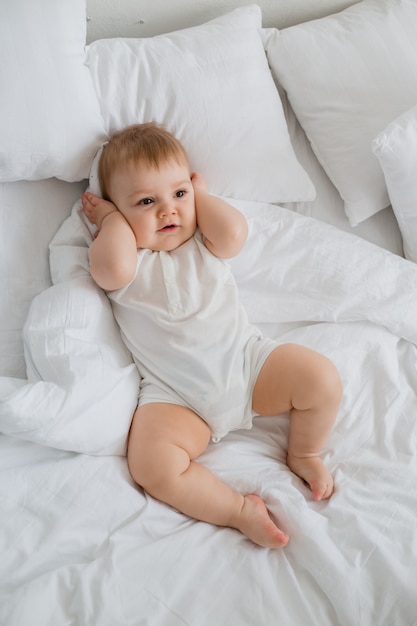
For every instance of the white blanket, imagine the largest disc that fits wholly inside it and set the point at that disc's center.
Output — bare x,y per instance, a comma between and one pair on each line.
82,544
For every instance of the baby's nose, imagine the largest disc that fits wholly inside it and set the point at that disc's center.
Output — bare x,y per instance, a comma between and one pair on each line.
167,209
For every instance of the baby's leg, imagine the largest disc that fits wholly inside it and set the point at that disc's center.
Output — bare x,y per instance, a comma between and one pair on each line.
307,384
164,441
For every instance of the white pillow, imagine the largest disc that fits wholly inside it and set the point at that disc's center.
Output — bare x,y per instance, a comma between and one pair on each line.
50,122
211,86
347,76
82,385
30,214
396,149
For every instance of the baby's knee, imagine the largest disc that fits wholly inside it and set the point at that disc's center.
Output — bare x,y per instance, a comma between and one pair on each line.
155,466
136,463
143,468
315,369
329,379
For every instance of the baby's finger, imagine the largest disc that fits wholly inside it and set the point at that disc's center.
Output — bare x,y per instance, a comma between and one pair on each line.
90,198
85,201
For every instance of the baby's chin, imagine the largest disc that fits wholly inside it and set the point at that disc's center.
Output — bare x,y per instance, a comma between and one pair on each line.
170,240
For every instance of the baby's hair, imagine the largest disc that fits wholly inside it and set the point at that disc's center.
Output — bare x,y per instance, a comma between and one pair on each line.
150,144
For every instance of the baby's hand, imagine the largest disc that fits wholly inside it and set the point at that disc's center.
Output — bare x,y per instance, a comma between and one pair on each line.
95,208
198,181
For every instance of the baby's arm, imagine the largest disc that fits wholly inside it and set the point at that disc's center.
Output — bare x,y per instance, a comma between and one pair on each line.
113,253
225,229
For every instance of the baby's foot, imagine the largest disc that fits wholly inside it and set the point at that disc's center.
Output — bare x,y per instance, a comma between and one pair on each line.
255,523
314,472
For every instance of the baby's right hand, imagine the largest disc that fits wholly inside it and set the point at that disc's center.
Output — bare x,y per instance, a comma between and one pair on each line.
95,208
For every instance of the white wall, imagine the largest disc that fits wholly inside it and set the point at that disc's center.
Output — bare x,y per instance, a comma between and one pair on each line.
142,18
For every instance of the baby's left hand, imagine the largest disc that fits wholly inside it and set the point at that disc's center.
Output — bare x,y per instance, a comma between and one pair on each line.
95,208
198,181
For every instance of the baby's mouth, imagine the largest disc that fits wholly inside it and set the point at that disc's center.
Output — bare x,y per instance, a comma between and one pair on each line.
168,227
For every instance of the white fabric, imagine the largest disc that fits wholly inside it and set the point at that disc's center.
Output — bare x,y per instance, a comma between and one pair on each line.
30,215
82,386
347,76
284,279
50,122
211,86
131,559
80,544
396,149
328,206
175,313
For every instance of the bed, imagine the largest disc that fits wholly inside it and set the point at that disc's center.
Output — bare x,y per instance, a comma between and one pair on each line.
304,116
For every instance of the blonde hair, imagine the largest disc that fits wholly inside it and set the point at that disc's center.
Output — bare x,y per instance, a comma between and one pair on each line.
150,144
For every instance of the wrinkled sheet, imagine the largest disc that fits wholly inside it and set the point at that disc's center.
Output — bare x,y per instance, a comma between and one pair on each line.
81,544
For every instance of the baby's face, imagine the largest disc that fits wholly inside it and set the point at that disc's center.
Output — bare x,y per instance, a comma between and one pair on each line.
158,204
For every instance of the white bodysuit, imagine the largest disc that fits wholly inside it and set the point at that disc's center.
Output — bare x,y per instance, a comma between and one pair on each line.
189,335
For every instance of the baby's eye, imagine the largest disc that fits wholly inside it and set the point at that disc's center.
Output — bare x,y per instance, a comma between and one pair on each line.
145,201
180,193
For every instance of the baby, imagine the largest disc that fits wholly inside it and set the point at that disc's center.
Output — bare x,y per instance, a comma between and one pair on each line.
159,253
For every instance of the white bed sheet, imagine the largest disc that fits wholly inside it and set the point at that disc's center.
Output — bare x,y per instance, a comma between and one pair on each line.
82,544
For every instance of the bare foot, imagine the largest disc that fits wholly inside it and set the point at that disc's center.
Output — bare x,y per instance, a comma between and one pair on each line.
255,523
315,473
